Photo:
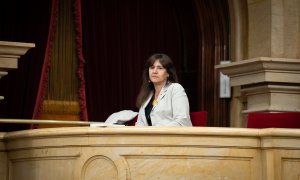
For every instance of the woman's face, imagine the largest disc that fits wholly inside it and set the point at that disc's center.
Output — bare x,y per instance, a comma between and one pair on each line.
158,75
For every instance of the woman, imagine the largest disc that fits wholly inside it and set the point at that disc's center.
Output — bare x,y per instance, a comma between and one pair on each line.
162,101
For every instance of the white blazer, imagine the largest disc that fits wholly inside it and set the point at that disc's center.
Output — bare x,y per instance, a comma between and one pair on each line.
172,108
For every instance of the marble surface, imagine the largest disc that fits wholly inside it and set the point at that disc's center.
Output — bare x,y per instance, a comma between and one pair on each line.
10,52
151,153
266,83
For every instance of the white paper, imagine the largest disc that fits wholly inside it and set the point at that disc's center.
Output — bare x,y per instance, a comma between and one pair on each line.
225,88
102,124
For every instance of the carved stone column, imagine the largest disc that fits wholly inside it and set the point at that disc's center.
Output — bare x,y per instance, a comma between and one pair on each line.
10,52
267,84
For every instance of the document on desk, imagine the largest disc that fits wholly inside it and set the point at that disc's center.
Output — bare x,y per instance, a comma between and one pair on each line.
103,124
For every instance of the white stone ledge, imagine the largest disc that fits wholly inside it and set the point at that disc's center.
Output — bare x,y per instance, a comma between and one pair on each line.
149,152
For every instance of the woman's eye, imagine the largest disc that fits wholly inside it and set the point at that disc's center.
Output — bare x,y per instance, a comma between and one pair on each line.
157,67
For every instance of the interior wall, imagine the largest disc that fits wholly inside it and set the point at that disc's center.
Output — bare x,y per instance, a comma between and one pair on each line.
261,28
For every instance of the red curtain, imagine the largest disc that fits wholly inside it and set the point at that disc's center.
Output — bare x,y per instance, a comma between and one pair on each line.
79,50
114,39
47,61
118,37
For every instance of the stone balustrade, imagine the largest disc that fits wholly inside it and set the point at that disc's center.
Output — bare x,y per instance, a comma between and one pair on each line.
150,153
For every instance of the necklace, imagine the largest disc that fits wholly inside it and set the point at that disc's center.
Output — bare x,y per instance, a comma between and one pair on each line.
154,102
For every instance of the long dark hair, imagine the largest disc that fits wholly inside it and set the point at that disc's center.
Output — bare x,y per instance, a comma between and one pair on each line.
147,86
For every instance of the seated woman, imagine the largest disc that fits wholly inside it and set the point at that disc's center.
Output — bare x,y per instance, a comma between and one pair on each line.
162,101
